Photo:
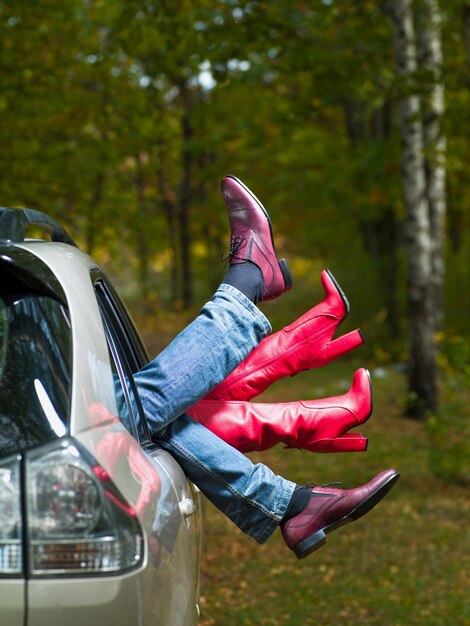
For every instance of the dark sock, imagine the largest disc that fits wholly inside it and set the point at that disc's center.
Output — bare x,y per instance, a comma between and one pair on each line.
298,502
247,278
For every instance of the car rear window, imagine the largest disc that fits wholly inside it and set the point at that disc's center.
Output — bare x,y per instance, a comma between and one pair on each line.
35,370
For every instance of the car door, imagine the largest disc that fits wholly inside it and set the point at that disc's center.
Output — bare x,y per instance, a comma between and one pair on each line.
170,586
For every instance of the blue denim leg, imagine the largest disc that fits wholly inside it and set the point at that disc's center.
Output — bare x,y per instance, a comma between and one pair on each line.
251,495
201,356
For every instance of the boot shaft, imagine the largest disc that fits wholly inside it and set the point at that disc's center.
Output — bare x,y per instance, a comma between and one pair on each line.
304,344
316,425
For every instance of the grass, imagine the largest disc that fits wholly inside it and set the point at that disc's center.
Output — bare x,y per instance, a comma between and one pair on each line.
406,563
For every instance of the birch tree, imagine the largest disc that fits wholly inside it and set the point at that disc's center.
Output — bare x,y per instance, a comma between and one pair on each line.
435,144
466,26
418,239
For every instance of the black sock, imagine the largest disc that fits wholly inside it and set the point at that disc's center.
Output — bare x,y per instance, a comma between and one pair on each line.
247,278
300,499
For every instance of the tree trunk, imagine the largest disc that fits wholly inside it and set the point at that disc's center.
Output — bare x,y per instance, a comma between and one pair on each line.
185,197
422,367
466,25
169,209
381,240
141,232
91,227
435,146
380,235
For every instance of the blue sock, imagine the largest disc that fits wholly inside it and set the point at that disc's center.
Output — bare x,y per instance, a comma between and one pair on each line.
247,278
300,499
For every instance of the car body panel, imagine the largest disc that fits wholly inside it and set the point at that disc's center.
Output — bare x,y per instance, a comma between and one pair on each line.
55,602
12,602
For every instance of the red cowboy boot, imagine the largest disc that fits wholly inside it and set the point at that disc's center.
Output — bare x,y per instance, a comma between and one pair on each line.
328,509
316,425
304,344
252,237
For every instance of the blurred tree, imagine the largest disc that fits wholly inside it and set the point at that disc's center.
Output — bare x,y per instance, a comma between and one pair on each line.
423,172
119,117
466,23
435,143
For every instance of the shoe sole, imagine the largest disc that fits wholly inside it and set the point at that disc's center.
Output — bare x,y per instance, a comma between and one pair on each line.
318,539
286,273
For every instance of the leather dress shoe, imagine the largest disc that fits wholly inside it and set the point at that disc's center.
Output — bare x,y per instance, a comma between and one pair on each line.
329,509
252,237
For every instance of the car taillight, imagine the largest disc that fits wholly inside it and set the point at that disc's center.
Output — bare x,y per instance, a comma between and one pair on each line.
11,552
77,520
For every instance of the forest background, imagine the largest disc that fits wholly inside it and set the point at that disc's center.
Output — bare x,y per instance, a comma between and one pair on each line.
350,120
347,119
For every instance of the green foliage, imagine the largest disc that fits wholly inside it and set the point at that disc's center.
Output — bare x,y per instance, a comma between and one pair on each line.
449,451
455,356
120,118
449,430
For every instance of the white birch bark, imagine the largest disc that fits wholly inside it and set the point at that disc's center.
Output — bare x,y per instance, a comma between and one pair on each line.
435,145
422,371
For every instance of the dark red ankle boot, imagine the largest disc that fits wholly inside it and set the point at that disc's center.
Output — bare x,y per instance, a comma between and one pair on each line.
252,237
330,509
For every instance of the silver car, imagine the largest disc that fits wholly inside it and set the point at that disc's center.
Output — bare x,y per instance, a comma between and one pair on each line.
98,525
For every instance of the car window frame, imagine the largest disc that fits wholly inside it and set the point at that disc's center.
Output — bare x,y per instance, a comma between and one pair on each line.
128,355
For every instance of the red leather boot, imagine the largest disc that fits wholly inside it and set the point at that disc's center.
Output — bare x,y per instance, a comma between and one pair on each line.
304,344
316,425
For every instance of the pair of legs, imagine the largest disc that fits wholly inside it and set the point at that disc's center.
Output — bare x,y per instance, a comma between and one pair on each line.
228,328
320,425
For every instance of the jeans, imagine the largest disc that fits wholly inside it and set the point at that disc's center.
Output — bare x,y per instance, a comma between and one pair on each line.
201,356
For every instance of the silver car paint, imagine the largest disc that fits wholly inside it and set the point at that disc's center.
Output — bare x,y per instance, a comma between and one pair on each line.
12,595
164,591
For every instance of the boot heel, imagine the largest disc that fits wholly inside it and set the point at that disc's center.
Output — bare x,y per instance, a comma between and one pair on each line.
340,291
343,344
310,544
349,442
286,273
